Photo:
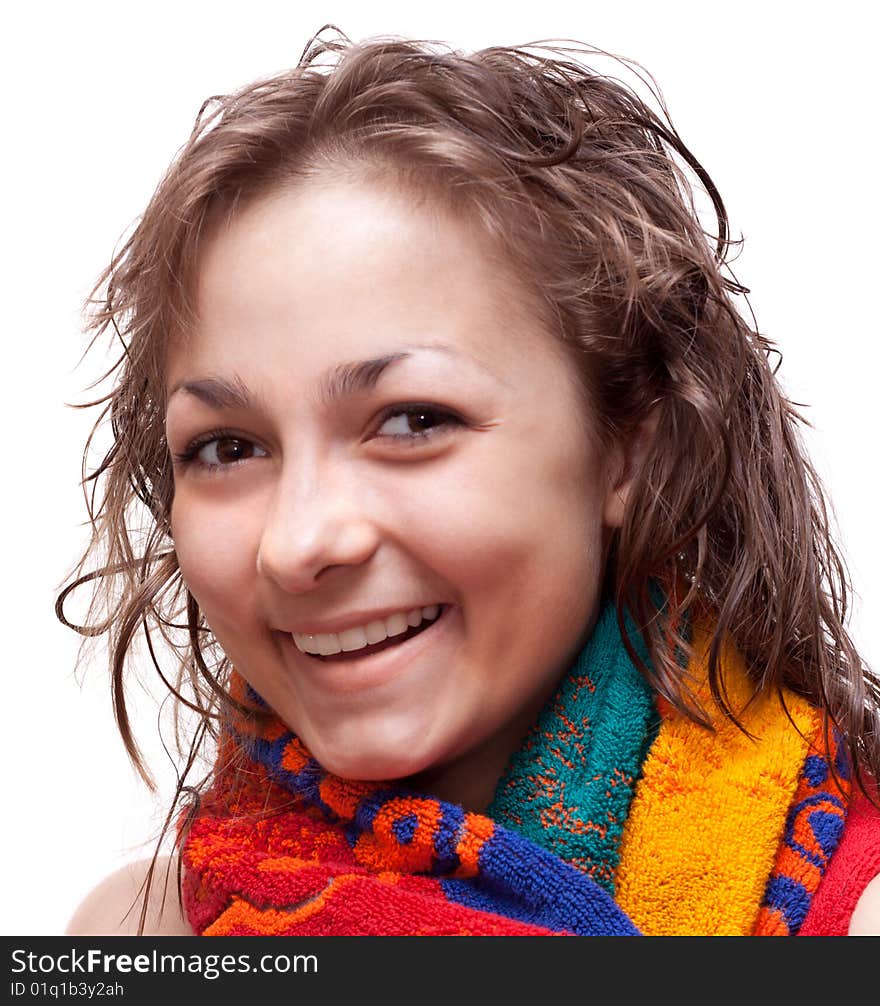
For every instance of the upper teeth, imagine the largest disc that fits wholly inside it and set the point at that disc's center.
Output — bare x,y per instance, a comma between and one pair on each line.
327,643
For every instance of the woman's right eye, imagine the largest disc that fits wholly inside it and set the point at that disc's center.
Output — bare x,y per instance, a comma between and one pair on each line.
216,451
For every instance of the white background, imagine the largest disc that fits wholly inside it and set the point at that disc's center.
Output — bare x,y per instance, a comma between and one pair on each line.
777,100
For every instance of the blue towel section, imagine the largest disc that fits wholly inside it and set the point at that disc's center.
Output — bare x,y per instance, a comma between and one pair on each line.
522,881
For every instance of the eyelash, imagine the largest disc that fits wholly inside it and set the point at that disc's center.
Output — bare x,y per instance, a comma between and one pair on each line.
190,453
417,409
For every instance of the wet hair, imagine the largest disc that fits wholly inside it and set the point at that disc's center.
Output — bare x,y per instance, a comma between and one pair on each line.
592,197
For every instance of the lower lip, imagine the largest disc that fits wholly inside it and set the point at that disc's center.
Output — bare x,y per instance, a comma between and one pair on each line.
359,673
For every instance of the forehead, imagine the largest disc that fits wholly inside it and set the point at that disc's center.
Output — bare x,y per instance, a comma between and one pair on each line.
326,272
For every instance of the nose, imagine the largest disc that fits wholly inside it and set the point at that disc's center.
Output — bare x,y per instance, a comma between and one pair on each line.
314,523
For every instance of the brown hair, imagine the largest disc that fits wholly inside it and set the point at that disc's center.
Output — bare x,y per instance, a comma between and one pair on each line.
592,192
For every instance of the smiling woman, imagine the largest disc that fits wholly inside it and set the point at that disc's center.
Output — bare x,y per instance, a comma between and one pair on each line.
505,585
400,490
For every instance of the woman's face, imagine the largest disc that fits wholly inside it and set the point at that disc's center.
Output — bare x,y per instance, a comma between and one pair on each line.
377,448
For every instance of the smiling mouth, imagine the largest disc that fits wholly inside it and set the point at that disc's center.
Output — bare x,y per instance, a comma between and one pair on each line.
386,644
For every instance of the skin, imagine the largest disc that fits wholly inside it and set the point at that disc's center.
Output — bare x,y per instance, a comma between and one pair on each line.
865,919
500,512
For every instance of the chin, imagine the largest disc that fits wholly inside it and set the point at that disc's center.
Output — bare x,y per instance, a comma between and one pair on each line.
374,764
375,768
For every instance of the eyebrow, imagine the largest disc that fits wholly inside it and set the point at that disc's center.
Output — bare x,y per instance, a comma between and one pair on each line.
345,379
355,378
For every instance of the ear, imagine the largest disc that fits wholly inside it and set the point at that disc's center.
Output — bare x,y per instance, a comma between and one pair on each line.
626,461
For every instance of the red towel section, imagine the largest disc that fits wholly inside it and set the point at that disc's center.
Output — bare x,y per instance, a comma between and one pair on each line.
852,867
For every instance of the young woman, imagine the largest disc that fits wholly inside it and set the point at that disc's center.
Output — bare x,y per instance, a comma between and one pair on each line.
476,525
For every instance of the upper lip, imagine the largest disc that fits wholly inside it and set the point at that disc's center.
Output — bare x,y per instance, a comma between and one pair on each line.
351,619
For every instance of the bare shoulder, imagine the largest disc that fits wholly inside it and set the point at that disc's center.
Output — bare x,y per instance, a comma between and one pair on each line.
865,919
113,907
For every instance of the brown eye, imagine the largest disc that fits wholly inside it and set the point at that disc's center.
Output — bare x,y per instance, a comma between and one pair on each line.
216,451
412,422
226,450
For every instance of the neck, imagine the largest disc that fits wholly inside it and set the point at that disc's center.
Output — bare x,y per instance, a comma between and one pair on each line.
457,782
471,779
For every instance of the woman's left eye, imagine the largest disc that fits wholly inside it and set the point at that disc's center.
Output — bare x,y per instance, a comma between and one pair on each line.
415,422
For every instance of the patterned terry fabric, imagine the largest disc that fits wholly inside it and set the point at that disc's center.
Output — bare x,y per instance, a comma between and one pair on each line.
357,859
855,864
282,847
602,719
709,815
813,832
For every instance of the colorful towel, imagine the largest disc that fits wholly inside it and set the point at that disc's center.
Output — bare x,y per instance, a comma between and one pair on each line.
712,807
570,786
356,859
855,864
691,830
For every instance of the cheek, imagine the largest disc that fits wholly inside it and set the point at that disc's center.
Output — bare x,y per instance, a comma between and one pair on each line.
515,525
216,550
